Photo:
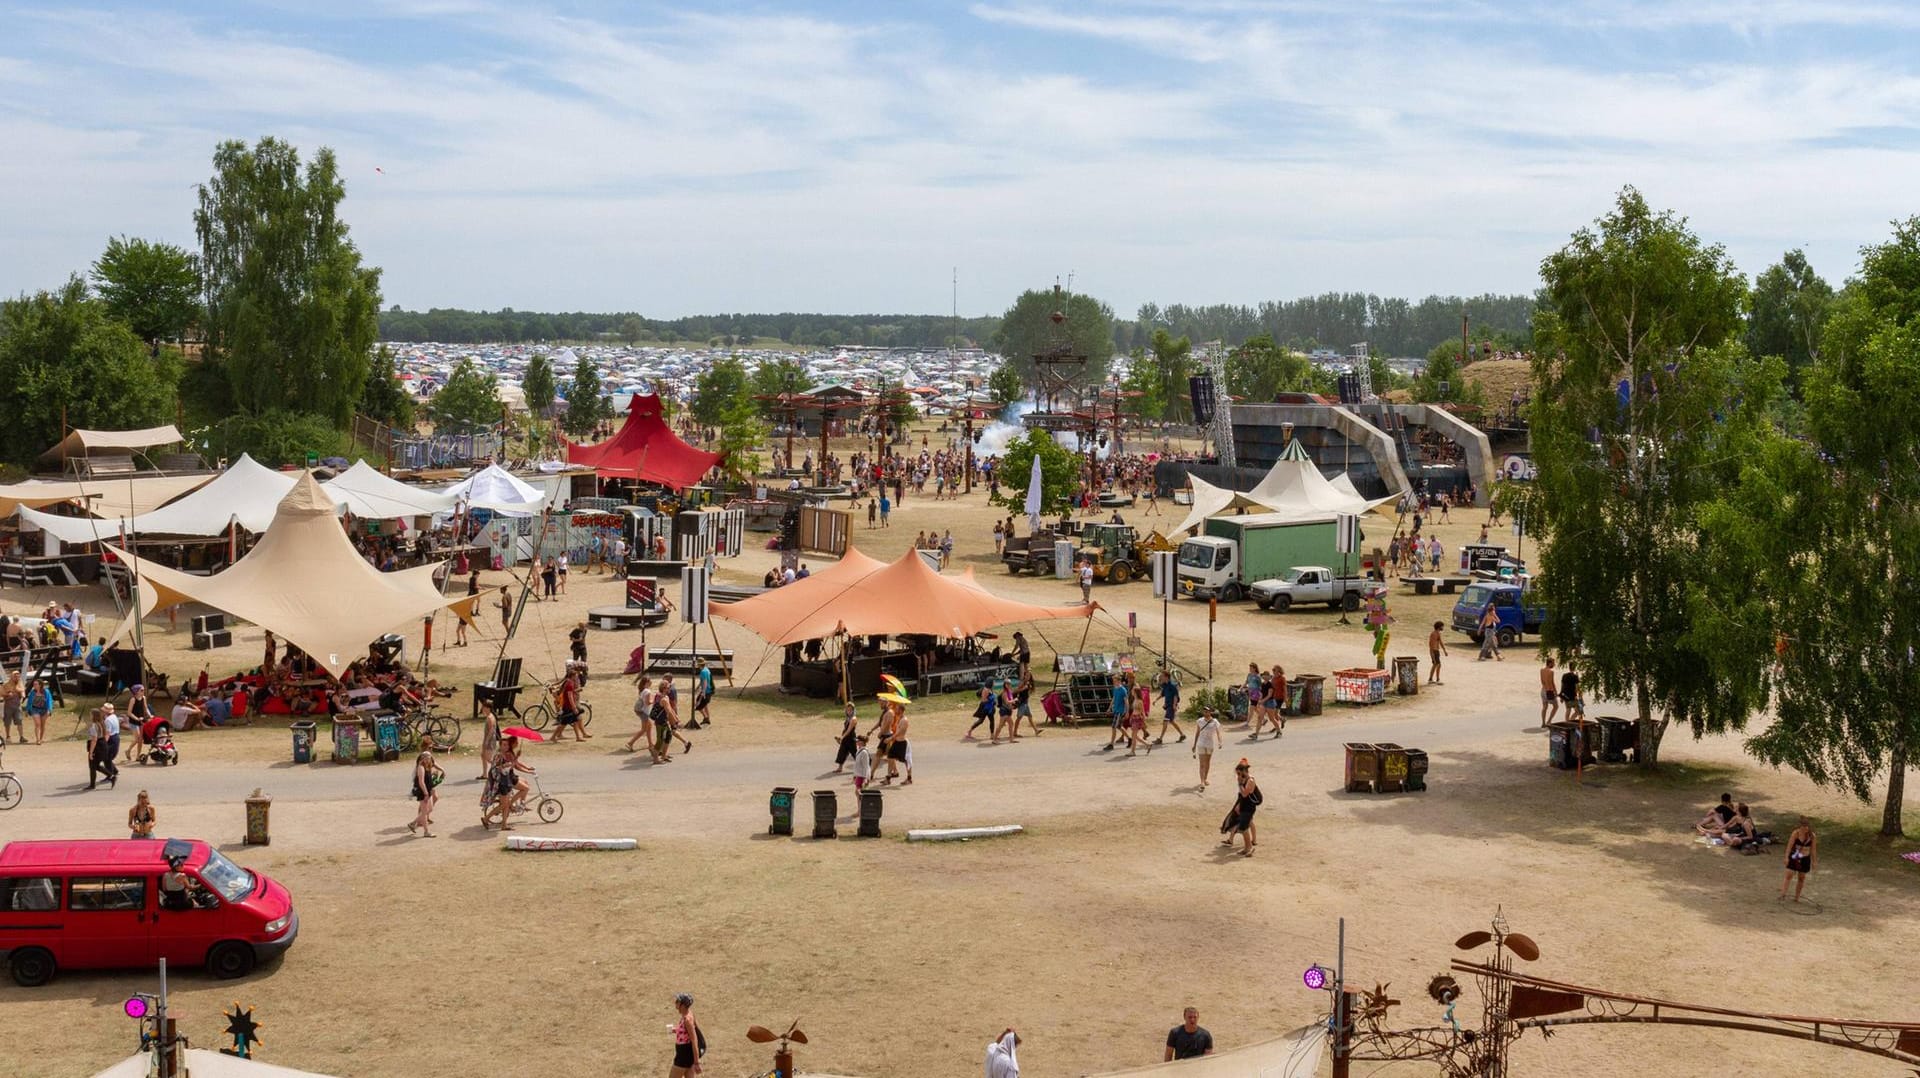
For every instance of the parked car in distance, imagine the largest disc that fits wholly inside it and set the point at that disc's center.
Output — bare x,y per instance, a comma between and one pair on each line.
1310,584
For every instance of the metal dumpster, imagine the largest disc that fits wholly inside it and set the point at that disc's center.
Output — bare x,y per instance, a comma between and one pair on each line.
1393,769
1363,767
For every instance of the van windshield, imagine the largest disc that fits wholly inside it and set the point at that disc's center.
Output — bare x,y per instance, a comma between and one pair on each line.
1476,595
231,881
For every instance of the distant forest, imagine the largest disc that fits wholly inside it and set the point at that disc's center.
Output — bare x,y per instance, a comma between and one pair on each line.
1393,326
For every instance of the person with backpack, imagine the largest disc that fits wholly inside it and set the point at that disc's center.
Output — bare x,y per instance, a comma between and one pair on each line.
689,1044
1239,819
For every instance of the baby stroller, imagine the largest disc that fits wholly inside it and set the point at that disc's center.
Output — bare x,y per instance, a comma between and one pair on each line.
161,750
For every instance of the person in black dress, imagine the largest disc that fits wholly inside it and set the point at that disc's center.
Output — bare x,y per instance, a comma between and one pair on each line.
849,729
1239,819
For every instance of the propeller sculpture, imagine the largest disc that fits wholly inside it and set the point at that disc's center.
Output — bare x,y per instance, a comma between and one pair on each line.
782,1056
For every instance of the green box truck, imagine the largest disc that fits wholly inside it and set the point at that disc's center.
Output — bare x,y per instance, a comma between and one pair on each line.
1233,552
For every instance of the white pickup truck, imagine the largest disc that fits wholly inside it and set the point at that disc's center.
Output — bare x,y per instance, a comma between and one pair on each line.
1310,584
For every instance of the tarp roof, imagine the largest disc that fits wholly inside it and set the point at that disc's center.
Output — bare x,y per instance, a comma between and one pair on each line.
499,490
85,443
246,493
123,496
202,1063
865,597
370,494
645,448
1295,1054
304,581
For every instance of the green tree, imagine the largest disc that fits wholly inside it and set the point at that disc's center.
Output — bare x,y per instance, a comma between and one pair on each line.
773,379
384,398
1060,472
1005,385
1637,299
900,410
1441,381
538,386
585,409
1144,388
153,287
721,392
739,434
633,329
1172,365
291,314
1028,328
1820,549
1790,306
274,438
63,356
1260,370
469,401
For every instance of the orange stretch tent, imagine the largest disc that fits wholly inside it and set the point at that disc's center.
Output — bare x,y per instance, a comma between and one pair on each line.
864,597
305,582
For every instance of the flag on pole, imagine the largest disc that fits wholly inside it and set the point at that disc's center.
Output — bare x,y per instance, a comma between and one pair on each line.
1033,497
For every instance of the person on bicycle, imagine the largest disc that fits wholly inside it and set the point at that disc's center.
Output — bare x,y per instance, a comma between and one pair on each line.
508,789
566,707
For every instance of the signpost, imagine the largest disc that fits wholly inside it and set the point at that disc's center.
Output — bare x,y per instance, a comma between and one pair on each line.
1346,541
1163,590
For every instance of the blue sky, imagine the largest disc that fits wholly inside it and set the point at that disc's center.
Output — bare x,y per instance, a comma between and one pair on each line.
677,158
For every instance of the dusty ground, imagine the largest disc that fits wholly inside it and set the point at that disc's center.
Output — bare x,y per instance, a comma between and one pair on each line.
1089,933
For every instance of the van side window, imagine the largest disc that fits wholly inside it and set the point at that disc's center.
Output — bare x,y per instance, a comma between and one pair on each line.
92,893
30,894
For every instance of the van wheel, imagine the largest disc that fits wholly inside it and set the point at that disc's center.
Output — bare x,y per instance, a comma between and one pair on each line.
229,960
1507,637
31,967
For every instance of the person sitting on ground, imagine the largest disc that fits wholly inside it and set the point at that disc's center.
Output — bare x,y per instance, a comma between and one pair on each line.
1740,830
186,715
1715,821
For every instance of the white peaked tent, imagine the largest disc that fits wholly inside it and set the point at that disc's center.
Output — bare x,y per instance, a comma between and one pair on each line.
304,581
373,496
246,493
202,1063
495,488
1293,486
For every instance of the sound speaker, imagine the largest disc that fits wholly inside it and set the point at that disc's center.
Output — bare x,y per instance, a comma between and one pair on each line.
1200,389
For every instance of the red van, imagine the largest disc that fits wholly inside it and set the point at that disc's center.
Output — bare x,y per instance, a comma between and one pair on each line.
106,903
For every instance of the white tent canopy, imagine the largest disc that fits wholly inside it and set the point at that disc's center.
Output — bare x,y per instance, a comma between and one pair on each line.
305,582
373,496
246,493
495,488
83,443
110,499
202,1063
1293,486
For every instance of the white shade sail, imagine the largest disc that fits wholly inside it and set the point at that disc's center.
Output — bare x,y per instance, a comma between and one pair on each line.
247,493
495,488
373,496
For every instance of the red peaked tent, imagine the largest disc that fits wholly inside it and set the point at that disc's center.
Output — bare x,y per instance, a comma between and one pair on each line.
644,448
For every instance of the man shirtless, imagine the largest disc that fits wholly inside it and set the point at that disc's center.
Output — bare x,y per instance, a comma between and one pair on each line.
1549,692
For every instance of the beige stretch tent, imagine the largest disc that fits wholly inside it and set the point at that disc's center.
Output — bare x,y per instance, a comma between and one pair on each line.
86,443
305,582
865,597
1293,486
108,499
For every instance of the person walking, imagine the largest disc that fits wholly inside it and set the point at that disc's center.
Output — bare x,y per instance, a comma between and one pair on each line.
1490,634
999,539
1246,802
643,706
886,506
702,694
427,776
566,706
1023,702
39,708
110,750
873,511
848,742
142,818
577,643
862,763
1253,693
1188,1040
1206,739
669,730
1274,703
689,1044
899,750
549,580
1802,845
560,571
1170,701
1086,581
12,702
1001,1061
489,739
983,712
1436,647
1549,692
99,760
506,611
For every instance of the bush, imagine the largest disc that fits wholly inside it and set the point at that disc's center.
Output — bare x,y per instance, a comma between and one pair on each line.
273,438
1209,698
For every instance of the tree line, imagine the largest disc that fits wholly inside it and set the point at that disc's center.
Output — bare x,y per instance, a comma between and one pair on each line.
508,326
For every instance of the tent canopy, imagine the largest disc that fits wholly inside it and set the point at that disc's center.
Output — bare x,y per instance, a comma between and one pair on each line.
863,597
205,1063
86,443
369,494
305,582
1293,486
109,499
246,493
646,448
499,490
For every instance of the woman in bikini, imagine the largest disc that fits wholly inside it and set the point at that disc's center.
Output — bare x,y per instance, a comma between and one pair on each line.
1801,846
426,785
686,1039
141,818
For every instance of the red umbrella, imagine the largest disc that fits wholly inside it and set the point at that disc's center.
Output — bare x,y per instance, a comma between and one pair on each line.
523,733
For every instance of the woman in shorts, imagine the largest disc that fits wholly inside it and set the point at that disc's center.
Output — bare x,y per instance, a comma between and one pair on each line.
686,1039
1274,703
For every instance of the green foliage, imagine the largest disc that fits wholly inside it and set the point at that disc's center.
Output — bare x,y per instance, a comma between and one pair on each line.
1817,548
1027,329
538,385
1169,366
1060,472
1441,381
384,398
1385,378
1260,370
739,434
1639,297
153,287
1790,307
63,355
585,407
1214,699
275,437
1005,385
469,401
772,379
721,392
1393,326
291,315
900,410
1144,388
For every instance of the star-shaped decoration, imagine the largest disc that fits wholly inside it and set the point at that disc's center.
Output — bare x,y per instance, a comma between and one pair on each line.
243,1029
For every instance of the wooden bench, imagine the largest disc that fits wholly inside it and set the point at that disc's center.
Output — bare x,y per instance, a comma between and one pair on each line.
681,660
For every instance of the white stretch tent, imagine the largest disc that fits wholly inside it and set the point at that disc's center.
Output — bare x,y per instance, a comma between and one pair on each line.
1293,486
305,582
1295,1054
202,1063
373,496
246,493
109,499
495,488
84,443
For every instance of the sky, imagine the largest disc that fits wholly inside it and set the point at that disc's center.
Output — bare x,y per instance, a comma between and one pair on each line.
677,158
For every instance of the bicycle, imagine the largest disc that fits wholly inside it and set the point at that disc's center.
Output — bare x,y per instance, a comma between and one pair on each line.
424,723
537,716
11,792
544,805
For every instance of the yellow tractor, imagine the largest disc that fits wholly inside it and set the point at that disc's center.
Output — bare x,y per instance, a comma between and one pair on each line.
1117,552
